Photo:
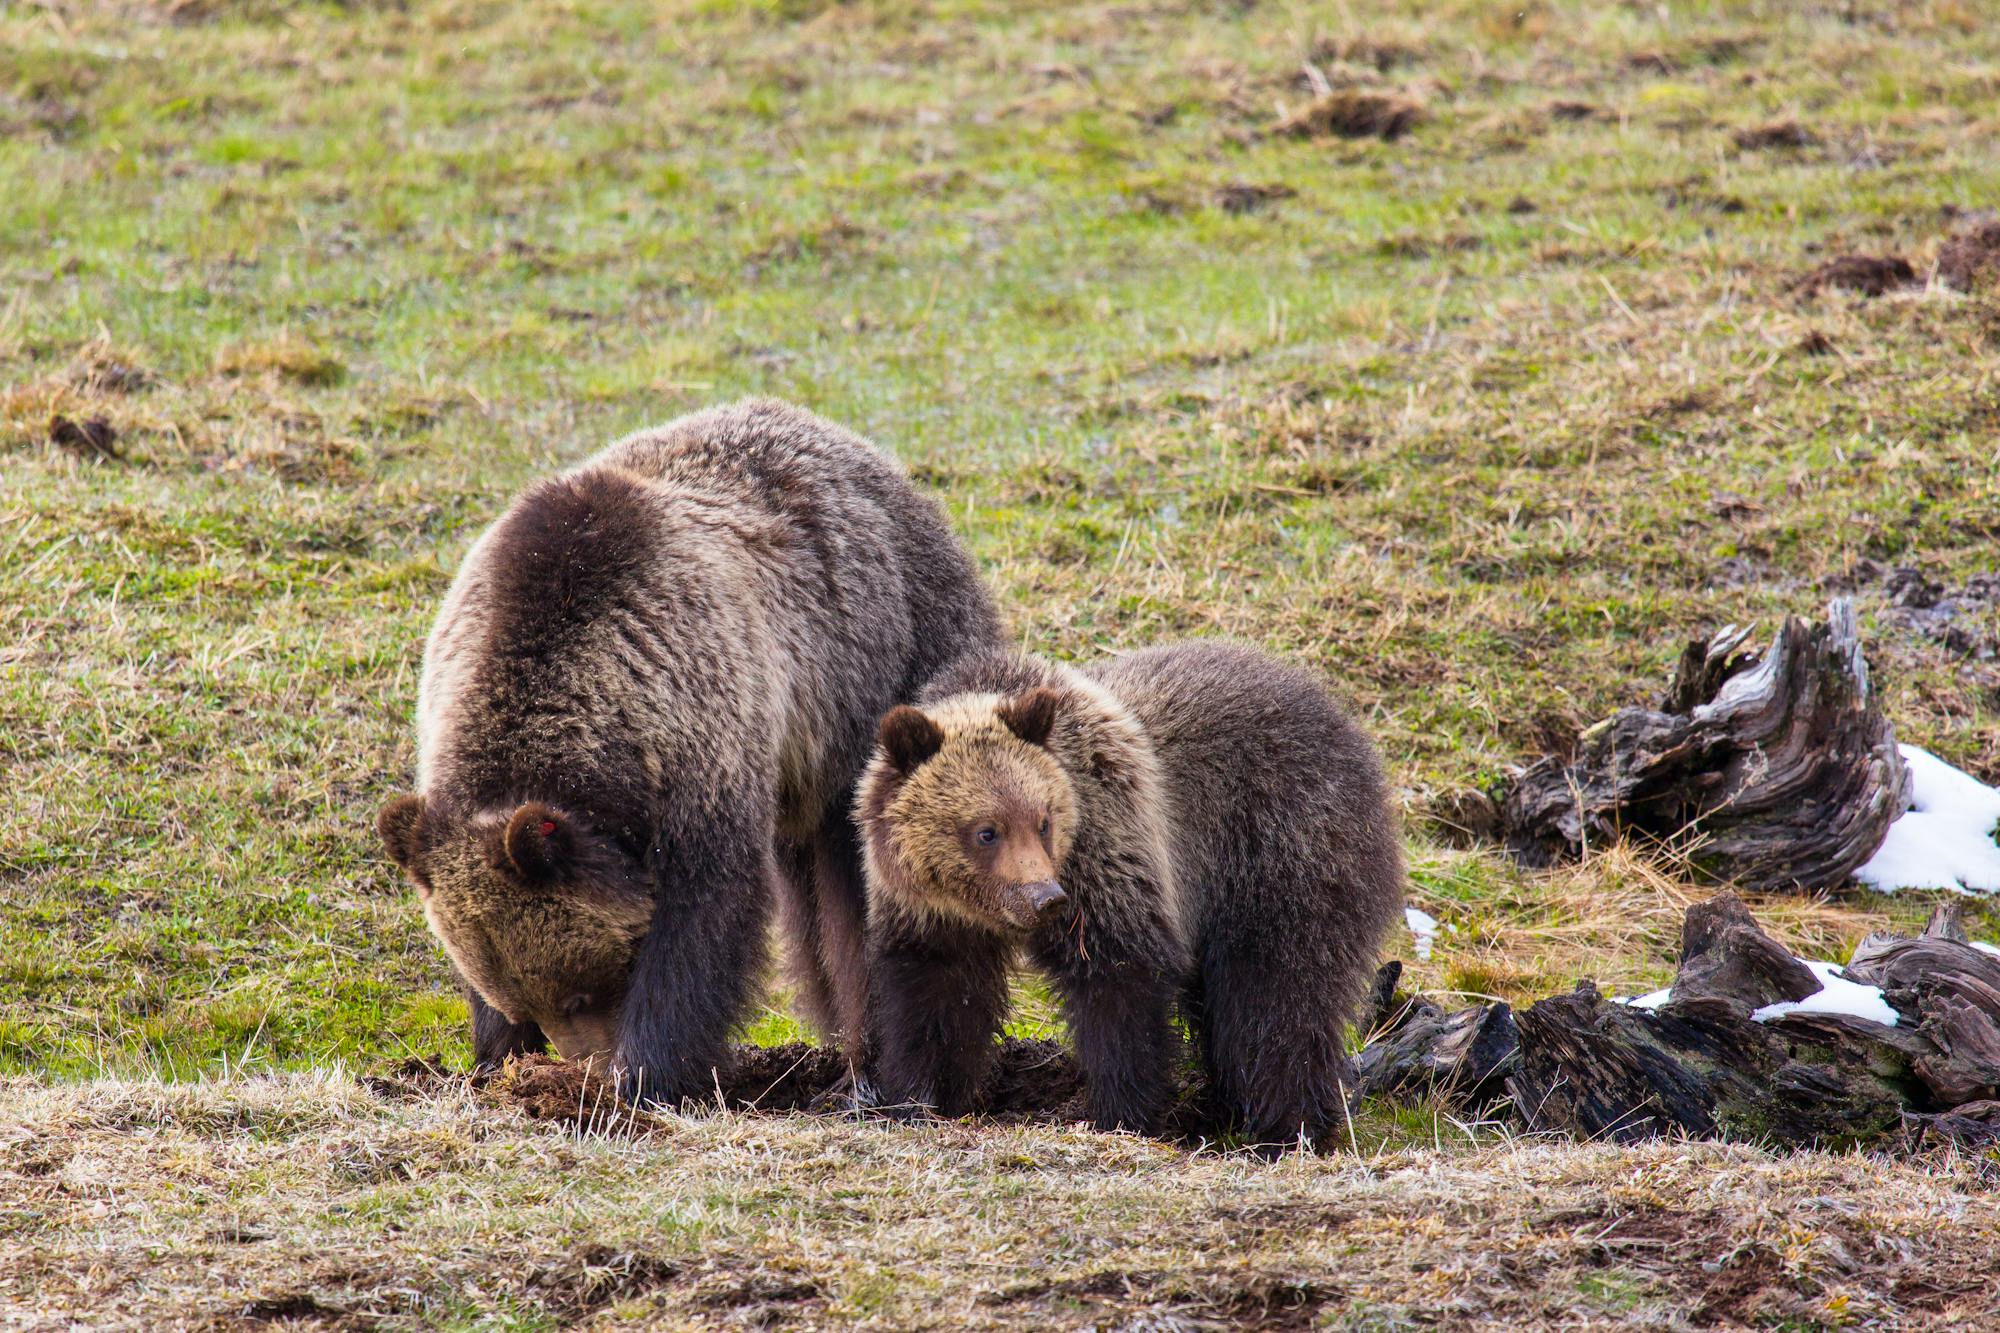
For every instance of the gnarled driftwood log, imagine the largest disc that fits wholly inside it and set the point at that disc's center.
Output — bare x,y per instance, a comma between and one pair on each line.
1772,772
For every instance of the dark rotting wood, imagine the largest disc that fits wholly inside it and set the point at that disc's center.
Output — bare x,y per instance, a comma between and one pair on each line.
1772,772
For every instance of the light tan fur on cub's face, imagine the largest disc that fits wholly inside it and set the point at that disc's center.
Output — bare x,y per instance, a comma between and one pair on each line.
977,831
553,950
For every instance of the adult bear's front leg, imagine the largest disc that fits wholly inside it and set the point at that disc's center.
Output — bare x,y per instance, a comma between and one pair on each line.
494,1037
693,976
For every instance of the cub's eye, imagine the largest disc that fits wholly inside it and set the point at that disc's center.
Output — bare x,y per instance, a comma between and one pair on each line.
987,836
575,1005
1043,827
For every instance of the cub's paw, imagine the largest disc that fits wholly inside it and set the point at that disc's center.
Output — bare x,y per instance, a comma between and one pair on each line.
864,1097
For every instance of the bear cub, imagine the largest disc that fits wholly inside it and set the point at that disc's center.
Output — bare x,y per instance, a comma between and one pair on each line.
1195,825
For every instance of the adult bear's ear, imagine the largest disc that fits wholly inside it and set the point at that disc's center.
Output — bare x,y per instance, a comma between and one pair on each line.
401,824
540,843
1031,716
908,737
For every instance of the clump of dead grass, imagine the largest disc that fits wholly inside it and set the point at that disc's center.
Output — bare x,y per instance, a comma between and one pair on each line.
286,356
303,1198
1614,918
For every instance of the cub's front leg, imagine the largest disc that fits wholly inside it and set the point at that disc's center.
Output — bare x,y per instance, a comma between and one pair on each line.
936,997
1118,984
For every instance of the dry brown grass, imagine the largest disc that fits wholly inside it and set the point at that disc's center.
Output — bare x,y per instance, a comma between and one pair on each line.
305,1199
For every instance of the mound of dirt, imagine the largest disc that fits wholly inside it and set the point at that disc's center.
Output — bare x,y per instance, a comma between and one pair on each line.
1353,113
1871,275
1243,197
93,437
1775,134
1971,261
1032,1082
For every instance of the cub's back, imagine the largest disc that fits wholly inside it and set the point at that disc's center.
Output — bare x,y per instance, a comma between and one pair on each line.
1260,765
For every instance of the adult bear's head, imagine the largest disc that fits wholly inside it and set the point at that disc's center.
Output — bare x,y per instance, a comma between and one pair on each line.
965,814
540,915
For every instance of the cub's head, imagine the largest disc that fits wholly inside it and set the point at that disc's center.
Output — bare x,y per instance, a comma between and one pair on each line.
541,916
965,815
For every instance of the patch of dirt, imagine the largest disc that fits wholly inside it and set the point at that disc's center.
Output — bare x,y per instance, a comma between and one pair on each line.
1384,54
1741,1290
1353,113
1774,134
1463,817
415,1078
1241,197
1971,261
1965,620
1263,1301
1870,275
764,1294
1815,343
93,437
1568,110
1031,1082
99,370
299,1307
1035,1081
1410,245
598,1276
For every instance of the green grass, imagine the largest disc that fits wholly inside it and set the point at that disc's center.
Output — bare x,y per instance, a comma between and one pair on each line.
342,277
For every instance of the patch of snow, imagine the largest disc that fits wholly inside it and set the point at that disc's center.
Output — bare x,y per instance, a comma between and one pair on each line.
1836,995
1424,926
1993,949
1651,1001
1945,841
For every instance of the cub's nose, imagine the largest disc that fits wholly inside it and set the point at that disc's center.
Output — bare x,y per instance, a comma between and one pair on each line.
1045,897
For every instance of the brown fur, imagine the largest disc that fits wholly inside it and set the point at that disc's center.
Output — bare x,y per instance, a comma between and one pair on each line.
643,708
1222,837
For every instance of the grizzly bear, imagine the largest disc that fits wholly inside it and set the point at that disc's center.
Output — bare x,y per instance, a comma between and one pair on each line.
643,709
1196,825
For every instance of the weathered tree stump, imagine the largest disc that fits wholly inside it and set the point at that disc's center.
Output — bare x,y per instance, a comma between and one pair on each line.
1953,992
1419,1051
1772,772
1704,1065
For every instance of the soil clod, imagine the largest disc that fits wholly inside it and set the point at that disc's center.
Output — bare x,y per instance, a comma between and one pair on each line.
1870,275
1774,134
93,437
1353,113
1971,261
1241,197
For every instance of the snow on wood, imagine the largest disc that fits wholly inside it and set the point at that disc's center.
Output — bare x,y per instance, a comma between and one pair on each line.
1946,839
1748,1041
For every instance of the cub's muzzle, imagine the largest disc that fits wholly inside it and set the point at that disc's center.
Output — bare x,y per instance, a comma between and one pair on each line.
1044,897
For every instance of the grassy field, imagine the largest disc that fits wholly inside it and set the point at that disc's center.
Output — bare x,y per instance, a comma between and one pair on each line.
1482,420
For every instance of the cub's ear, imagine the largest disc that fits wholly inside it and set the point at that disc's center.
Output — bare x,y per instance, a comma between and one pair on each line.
540,843
1030,716
909,737
400,823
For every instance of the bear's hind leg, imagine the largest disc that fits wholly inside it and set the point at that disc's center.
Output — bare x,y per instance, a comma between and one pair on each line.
1271,1036
842,904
